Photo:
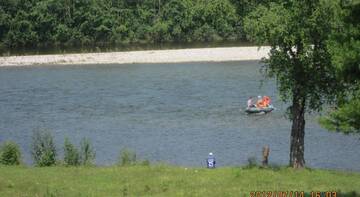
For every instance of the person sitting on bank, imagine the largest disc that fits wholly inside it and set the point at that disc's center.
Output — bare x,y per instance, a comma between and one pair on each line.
210,161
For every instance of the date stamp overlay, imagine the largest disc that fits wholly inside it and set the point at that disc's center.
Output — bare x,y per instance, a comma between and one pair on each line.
293,194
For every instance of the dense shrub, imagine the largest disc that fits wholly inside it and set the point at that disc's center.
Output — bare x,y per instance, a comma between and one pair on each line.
10,154
71,154
127,157
87,152
252,163
43,148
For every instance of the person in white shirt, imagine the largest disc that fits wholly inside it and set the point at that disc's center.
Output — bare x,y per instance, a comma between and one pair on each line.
250,102
210,161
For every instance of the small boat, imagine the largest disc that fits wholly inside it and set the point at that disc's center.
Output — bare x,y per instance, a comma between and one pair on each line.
256,110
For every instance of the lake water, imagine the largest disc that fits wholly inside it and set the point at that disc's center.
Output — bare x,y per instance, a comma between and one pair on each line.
172,113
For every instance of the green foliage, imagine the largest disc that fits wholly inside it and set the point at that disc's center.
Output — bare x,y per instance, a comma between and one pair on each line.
127,157
71,154
145,163
252,163
346,118
206,33
62,33
214,20
159,32
345,44
43,148
88,22
179,15
299,59
10,154
299,33
344,48
87,152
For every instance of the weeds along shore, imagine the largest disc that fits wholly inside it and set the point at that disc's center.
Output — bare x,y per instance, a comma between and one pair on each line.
77,175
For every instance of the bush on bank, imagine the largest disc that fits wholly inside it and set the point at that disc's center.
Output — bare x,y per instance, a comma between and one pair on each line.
87,152
71,154
43,148
75,157
10,154
43,151
127,157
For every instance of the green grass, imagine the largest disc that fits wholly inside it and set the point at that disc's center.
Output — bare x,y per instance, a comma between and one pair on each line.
162,180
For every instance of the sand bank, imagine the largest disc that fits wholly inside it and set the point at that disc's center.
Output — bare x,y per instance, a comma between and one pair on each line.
149,56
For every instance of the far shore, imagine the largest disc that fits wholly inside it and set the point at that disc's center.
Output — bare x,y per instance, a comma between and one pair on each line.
220,54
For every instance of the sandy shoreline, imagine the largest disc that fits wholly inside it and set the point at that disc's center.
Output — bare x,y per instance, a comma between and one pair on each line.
149,56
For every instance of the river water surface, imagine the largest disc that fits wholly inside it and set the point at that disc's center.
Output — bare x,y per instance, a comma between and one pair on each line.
172,113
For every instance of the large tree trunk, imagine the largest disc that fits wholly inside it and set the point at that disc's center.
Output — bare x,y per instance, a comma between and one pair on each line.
297,133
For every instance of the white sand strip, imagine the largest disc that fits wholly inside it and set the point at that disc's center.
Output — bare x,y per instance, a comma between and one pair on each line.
151,56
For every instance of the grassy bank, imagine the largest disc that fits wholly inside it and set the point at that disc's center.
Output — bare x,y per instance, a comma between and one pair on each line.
169,181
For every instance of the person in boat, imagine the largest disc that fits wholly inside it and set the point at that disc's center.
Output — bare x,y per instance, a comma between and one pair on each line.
266,101
250,102
260,102
210,161
263,102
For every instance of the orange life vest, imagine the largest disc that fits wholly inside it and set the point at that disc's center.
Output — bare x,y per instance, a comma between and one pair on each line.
266,101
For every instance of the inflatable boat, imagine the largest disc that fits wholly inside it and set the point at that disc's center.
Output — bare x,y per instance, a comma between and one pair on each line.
255,110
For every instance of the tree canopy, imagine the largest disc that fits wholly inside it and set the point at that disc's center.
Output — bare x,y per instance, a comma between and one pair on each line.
298,33
32,23
345,52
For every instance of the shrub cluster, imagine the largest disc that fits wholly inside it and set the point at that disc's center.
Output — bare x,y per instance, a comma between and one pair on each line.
87,152
127,157
74,157
43,148
71,154
44,152
10,154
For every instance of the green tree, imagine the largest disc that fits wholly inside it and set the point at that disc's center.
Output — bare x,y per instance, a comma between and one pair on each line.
179,15
127,157
21,31
221,15
71,154
4,23
205,33
10,154
297,32
345,52
214,20
87,152
43,148
32,23
346,118
62,34
160,31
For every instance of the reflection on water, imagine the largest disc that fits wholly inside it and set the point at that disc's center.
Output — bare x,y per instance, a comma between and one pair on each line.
175,113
